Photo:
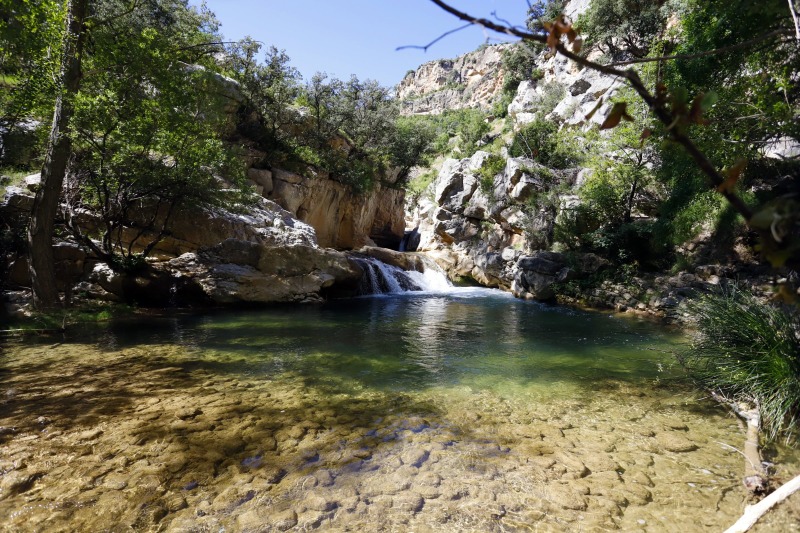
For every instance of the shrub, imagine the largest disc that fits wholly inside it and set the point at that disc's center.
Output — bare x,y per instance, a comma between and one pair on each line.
748,350
471,128
540,140
492,166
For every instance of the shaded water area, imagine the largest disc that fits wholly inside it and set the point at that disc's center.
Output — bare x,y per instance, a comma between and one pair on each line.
467,411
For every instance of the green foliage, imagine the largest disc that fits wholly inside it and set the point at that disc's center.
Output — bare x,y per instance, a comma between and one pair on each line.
30,37
491,167
421,182
541,11
472,128
755,102
147,131
748,350
541,141
271,86
624,28
466,126
412,144
519,64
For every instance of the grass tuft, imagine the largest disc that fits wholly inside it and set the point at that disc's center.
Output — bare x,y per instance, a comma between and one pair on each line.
748,350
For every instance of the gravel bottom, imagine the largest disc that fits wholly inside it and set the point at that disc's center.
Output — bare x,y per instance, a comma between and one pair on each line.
154,439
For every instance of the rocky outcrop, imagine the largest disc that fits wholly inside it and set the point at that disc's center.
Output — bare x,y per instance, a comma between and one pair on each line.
263,256
210,257
479,228
342,218
471,80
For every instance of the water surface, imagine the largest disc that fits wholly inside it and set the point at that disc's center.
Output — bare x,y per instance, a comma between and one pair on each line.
465,410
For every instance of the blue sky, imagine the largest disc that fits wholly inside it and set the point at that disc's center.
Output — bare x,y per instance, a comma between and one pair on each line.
344,37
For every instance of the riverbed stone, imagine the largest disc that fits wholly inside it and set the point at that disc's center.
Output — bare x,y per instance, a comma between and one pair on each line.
672,442
568,498
415,457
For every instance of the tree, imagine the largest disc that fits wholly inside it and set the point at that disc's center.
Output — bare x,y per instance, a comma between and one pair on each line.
271,87
147,131
45,205
623,28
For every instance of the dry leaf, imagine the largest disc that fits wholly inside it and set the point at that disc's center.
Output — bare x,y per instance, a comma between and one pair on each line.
617,113
732,176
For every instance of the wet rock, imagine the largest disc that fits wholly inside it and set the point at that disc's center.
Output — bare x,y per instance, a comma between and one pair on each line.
175,503
17,482
642,479
675,443
409,502
318,502
637,494
415,457
600,463
90,434
115,481
190,413
253,520
284,520
324,478
575,467
568,498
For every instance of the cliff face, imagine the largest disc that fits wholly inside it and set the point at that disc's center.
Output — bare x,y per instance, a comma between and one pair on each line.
487,228
472,80
341,218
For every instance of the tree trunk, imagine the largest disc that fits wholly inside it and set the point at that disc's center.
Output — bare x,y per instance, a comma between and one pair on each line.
45,205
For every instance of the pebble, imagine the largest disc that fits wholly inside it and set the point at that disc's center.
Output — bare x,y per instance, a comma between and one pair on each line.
284,520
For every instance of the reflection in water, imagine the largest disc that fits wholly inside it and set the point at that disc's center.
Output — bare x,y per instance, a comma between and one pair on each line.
466,411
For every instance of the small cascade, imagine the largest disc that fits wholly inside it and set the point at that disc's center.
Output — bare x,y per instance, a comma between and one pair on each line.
432,278
381,278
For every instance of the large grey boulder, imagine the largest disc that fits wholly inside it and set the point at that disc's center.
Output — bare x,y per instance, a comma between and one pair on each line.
537,273
244,272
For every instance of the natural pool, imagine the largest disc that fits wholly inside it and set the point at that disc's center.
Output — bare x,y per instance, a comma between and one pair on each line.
465,411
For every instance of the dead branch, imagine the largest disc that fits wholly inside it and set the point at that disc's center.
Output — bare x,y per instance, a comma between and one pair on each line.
753,512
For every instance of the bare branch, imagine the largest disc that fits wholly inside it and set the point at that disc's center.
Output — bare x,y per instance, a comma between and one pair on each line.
716,51
439,38
793,11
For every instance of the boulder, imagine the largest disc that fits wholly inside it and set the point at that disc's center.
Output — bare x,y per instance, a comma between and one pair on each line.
537,273
390,257
261,178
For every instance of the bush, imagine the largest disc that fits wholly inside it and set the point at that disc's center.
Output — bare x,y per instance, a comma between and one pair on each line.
492,166
748,350
540,140
471,129
519,64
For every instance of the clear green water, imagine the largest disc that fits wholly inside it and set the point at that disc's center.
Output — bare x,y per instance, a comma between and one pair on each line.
407,343
467,411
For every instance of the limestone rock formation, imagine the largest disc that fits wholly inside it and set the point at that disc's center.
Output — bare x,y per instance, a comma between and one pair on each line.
471,80
209,257
341,218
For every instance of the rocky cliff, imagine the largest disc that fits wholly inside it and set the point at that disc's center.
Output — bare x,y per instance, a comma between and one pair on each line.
210,257
342,218
497,230
471,80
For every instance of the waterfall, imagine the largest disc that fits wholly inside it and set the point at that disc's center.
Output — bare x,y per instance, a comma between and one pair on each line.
382,278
